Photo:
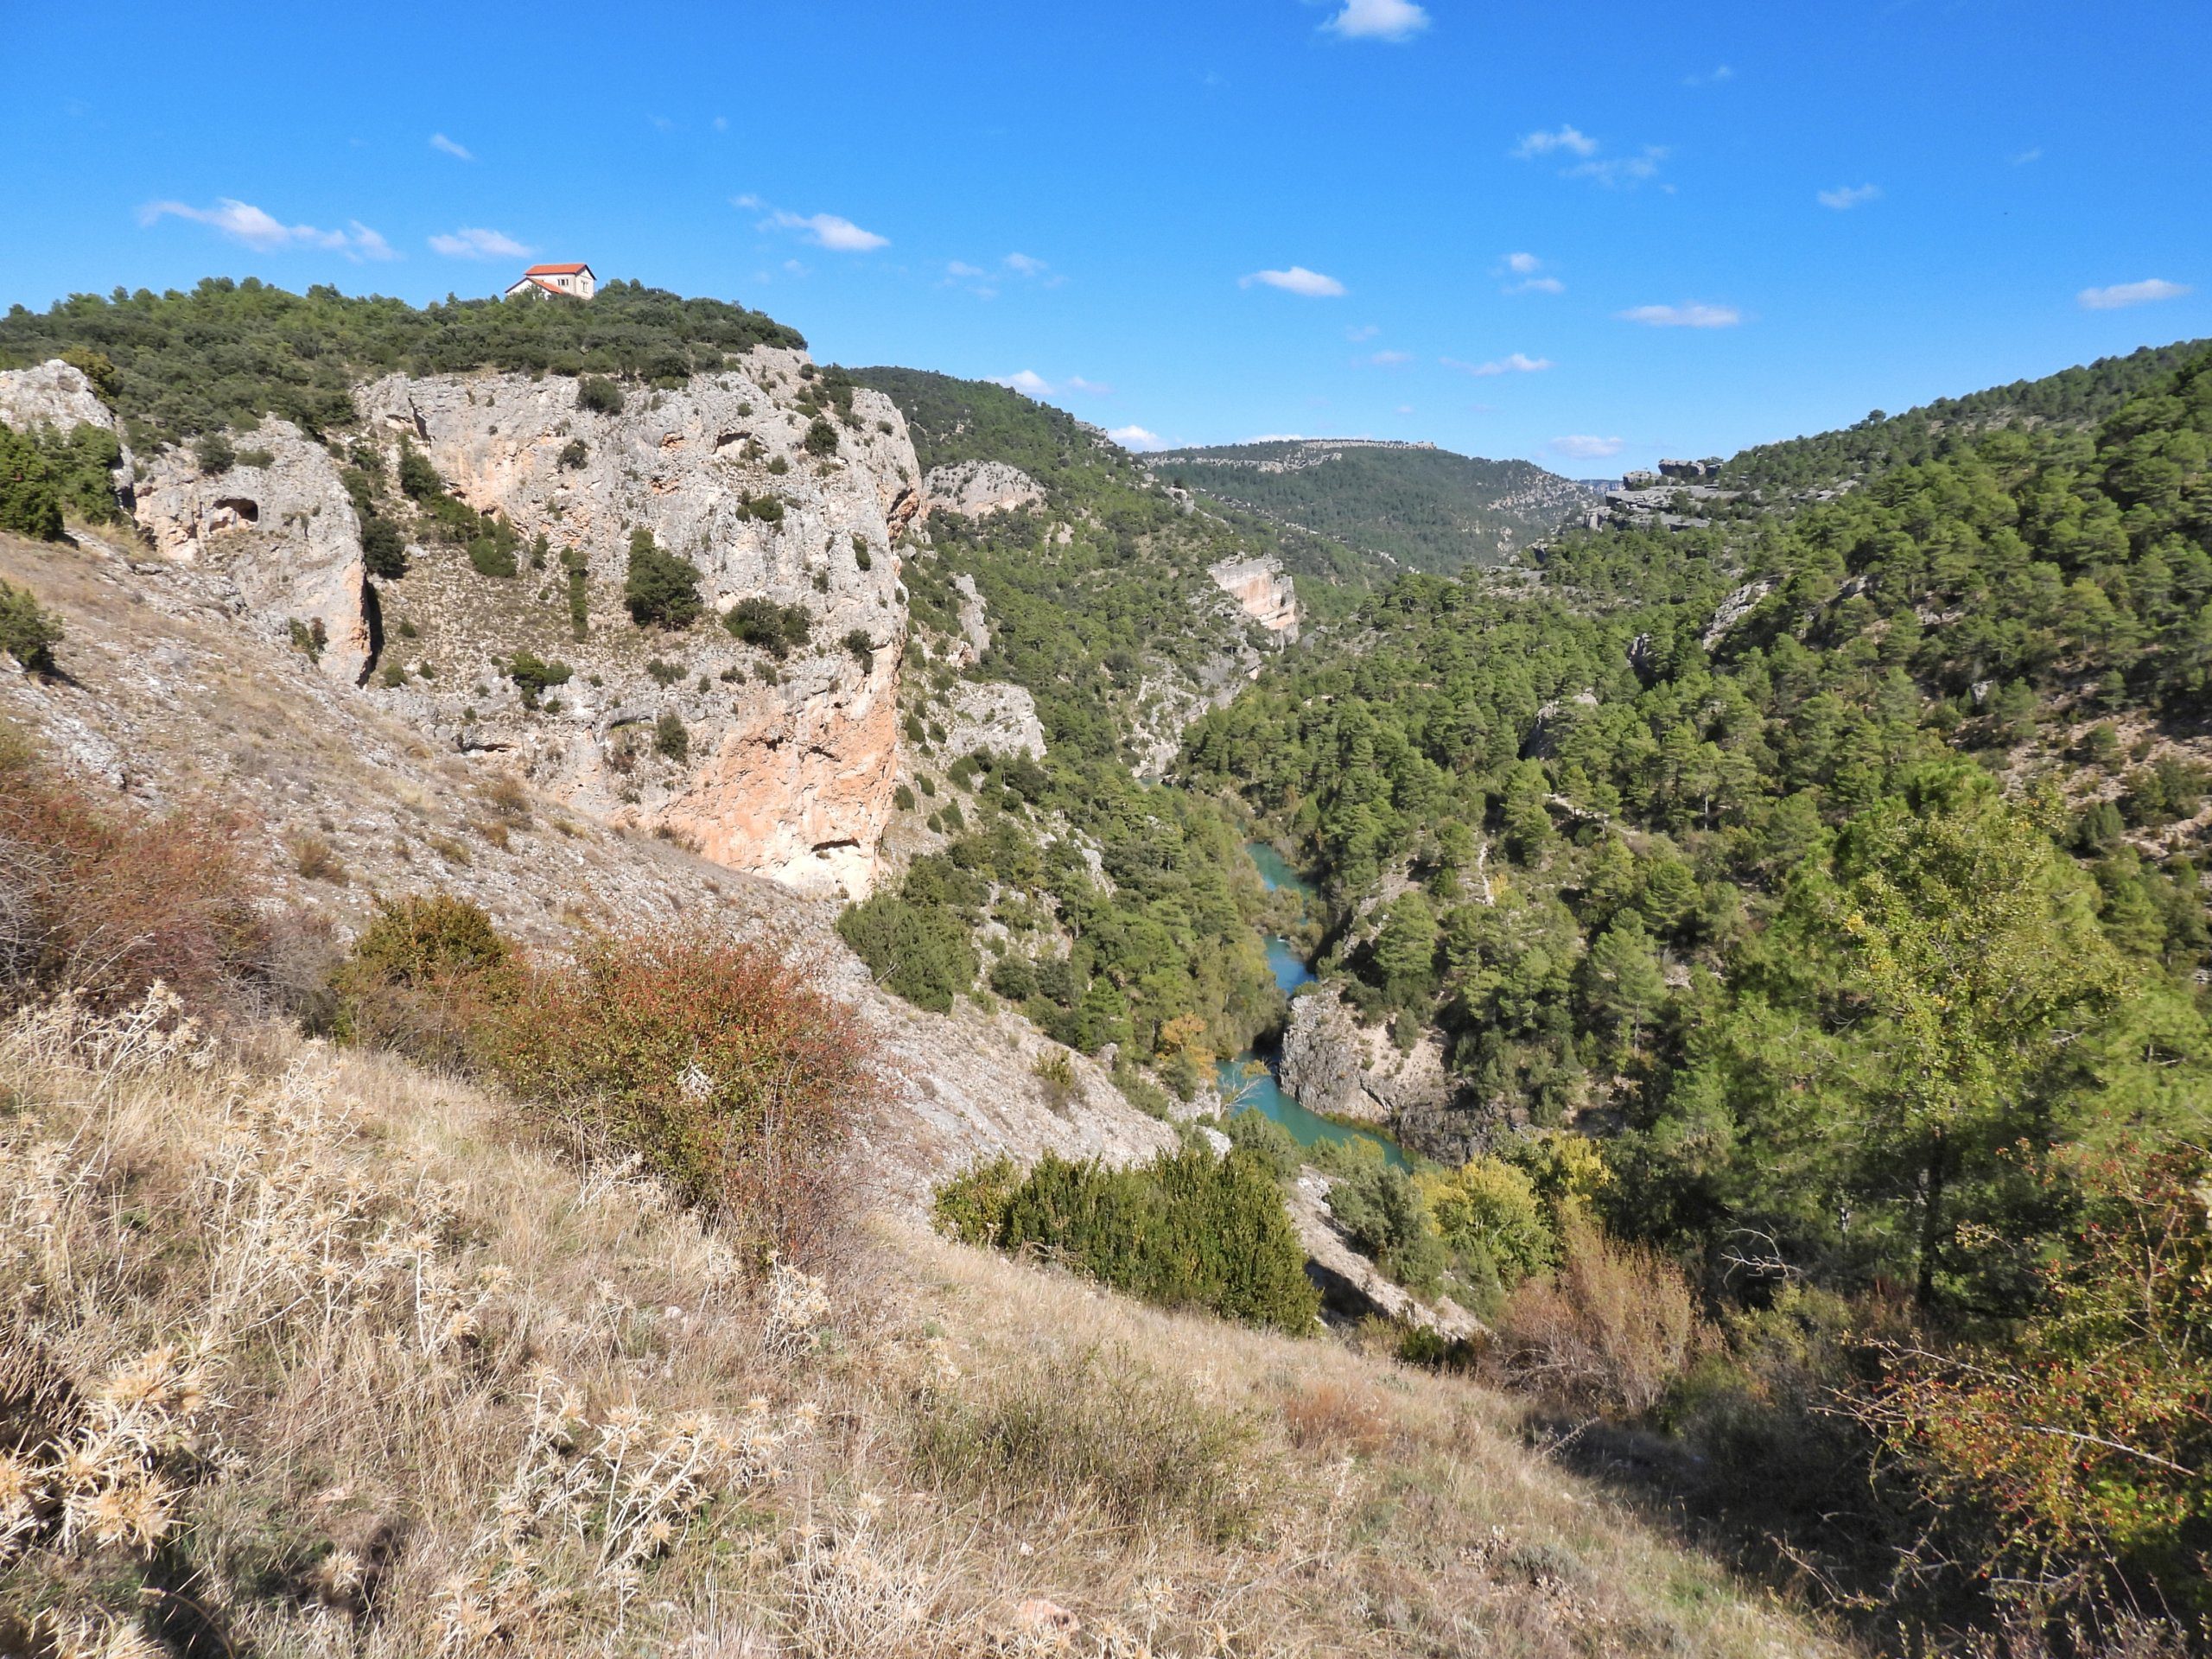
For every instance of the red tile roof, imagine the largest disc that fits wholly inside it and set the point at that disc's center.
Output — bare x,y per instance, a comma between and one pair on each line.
555,270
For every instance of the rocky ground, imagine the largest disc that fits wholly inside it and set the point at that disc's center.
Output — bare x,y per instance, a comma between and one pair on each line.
164,698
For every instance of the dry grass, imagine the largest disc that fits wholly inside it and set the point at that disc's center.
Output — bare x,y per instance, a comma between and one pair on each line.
309,1353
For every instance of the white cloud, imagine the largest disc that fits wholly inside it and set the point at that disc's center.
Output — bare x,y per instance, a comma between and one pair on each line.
1847,196
1364,331
1026,381
961,268
1714,77
2026,157
1682,317
2125,294
243,222
1581,446
829,230
1378,20
1092,388
1297,280
1405,409
1614,171
721,123
439,141
1526,266
1388,360
1611,171
1136,437
477,242
367,244
1512,363
1024,263
1567,138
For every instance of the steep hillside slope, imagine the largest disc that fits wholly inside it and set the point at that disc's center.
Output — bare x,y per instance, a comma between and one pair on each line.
340,1362
163,698
1392,506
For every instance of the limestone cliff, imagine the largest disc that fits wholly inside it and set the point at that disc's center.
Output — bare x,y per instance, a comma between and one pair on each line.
1262,590
789,758
278,531
1333,1065
57,397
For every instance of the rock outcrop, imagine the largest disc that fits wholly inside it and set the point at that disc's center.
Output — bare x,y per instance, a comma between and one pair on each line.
1262,590
278,528
973,488
1734,609
992,715
788,759
1333,1065
57,395
171,702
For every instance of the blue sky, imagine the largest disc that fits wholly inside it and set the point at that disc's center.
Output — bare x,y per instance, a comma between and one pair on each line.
1588,234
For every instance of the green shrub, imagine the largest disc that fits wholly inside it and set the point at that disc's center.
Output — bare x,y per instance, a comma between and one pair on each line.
579,593
420,977
821,437
418,480
383,548
766,625
214,454
256,458
920,951
534,676
1490,1213
725,1066
491,556
903,798
1382,1209
1187,1229
1011,976
767,508
29,632
598,395
1259,1135
31,499
662,589
862,649
574,454
670,739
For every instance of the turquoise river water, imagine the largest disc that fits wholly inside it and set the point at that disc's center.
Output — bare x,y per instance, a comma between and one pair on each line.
1264,1095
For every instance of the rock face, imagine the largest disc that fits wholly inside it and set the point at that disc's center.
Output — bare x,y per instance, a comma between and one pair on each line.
1330,1065
975,487
995,716
1262,589
53,394
173,702
283,535
1734,609
975,620
789,764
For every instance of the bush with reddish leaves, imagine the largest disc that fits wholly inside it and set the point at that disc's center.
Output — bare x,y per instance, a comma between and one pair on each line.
2076,1458
105,901
724,1064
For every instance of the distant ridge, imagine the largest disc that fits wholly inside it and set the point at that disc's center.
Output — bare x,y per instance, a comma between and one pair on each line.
1360,509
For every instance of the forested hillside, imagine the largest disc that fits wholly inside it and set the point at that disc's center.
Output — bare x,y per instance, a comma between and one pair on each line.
2080,397
1359,510
1840,874
179,364
1097,603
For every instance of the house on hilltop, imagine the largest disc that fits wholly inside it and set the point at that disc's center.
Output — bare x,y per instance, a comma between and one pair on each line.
576,282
